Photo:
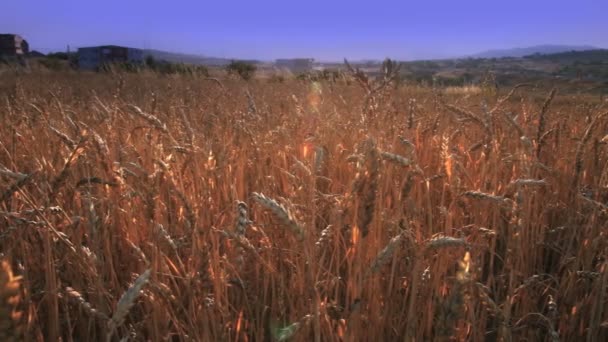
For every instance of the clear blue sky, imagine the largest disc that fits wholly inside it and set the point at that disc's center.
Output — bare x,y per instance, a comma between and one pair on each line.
326,30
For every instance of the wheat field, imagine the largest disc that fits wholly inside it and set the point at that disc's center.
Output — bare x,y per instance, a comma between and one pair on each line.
142,207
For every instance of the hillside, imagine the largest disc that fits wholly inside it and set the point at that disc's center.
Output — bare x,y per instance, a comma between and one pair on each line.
175,57
531,50
571,67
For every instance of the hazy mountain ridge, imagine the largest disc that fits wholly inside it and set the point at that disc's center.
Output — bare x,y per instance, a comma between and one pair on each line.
176,57
189,58
531,50
589,67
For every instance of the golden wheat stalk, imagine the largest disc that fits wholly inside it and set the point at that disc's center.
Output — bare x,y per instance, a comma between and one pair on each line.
501,101
151,119
395,158
325,237
189,213
407,143
367,189
487,301
386,253
100,144
78,298
246,245
164,234
484,196
11,174
242,221
452,309
578,158
514,124
16,186
126,302
528,182
441,242
542,121
282,213
320,162
467,115
65,171
64,137
10,299
138,252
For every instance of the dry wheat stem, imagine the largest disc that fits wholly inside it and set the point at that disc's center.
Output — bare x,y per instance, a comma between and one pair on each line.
126,302
485,196
11,328
501,101
242,221
79,299
395,158
282,213
386,253
441,242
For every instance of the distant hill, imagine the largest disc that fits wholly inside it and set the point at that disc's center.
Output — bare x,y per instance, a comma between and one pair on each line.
175,57
570,68
583,56
35,53
539,49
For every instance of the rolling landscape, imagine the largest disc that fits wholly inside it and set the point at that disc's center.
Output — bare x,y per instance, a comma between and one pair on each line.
575,70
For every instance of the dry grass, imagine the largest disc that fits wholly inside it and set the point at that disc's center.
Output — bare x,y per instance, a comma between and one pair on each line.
140,207
463,90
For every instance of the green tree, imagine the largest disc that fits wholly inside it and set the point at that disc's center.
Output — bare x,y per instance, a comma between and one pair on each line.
244,69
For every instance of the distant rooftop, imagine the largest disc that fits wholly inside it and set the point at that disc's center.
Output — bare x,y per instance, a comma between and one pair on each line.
13,45
108,47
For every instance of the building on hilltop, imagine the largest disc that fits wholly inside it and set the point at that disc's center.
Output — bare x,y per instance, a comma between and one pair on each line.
92,58
296,64
13,45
